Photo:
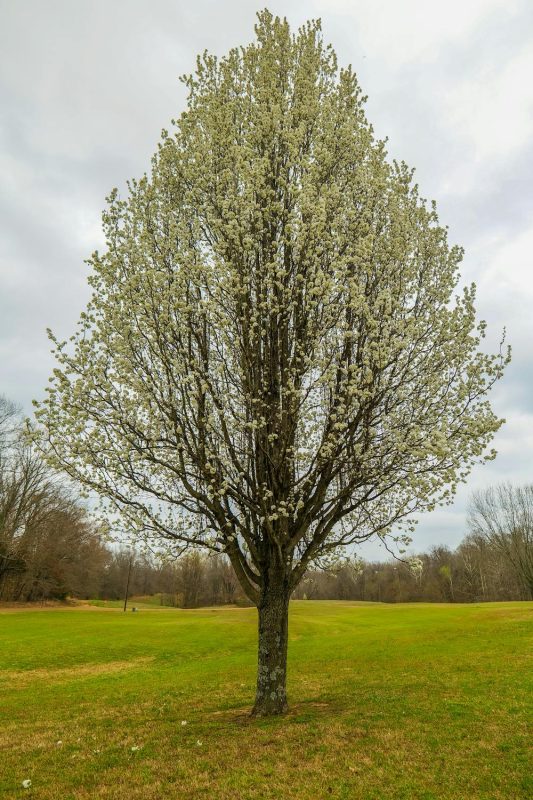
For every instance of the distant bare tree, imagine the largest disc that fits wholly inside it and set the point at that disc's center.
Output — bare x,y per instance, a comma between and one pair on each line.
221,582
48,545
503,515
191,579
21,480
473,555
61,552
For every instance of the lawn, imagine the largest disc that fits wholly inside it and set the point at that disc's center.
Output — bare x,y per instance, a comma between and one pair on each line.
422,702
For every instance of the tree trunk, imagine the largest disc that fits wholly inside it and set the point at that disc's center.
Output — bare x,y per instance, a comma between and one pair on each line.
273,610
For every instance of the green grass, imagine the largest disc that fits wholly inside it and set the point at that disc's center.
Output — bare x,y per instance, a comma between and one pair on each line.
419,702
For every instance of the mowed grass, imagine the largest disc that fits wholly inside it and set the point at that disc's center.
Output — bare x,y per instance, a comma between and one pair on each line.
422,702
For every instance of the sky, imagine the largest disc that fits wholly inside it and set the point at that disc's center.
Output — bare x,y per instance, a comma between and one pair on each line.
87,86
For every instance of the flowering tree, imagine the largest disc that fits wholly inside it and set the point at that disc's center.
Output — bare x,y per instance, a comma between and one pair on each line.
273,364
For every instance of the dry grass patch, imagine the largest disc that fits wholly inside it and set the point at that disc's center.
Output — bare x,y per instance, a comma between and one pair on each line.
23,678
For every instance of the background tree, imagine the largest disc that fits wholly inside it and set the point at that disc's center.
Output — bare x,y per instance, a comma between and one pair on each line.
503,516
12,490
49,547
273,363
60,551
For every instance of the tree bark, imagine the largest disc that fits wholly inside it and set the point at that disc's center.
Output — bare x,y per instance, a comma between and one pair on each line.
273,612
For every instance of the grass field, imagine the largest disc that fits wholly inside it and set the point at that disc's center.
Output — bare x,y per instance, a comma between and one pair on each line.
422,702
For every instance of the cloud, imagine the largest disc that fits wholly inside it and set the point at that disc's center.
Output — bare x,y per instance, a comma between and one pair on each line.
413,30
493,109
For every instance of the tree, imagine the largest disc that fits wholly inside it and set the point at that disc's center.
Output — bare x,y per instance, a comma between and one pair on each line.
24,488
49,547
503,515
60,549
8,416
273,364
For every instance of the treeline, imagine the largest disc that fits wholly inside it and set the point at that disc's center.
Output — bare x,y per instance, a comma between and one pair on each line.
191,581
50,548
477,571
67,559
474,572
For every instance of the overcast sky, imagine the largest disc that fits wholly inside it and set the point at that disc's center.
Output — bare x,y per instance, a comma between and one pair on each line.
87,85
